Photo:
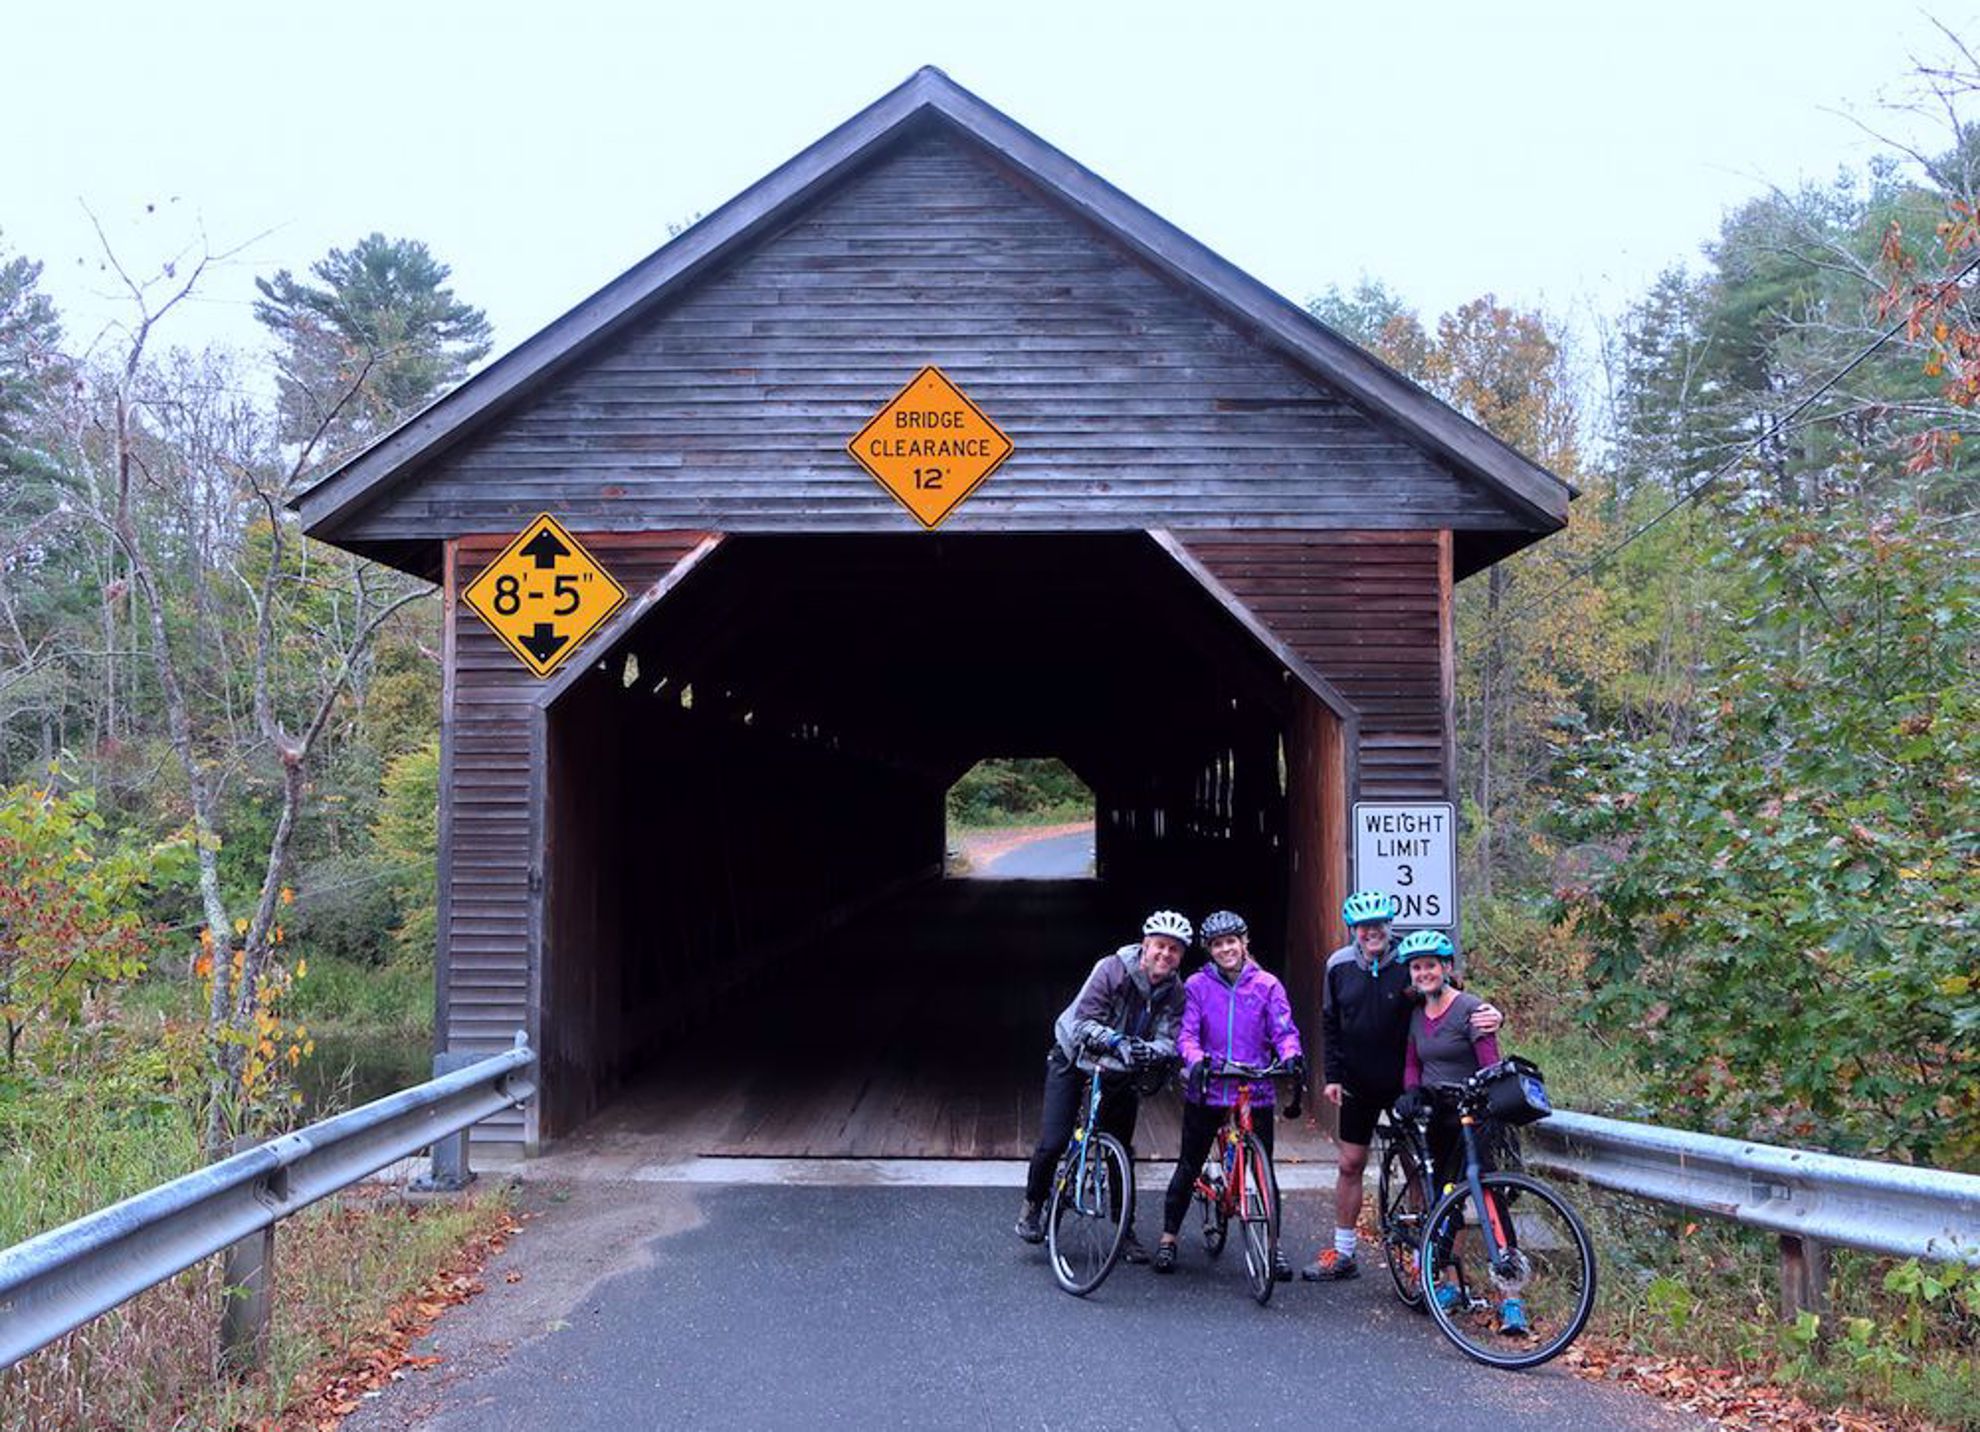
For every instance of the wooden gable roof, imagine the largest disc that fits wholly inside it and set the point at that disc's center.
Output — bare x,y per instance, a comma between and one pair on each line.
475,445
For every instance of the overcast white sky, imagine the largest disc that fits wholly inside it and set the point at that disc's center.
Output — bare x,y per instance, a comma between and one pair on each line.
1557,153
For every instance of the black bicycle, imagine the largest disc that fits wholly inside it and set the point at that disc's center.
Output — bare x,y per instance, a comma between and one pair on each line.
1402,1202
1093,1191
1501,1262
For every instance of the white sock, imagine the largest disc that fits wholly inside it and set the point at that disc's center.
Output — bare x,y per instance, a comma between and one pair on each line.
1344,1241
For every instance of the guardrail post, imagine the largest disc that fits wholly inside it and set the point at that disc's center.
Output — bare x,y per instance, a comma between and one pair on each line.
449,1171
247,1269
1804,1277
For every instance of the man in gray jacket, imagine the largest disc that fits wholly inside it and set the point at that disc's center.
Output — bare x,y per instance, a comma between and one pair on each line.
1124,1015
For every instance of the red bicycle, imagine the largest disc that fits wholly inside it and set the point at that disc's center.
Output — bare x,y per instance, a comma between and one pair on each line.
1236,1182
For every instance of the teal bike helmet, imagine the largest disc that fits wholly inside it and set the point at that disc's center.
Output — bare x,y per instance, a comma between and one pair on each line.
1426,942
1370,907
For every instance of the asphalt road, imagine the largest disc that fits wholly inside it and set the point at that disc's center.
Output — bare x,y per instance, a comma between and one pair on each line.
669,1305
1061,857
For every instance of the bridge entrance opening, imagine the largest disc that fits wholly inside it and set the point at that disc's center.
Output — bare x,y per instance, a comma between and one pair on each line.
748,941
1020,818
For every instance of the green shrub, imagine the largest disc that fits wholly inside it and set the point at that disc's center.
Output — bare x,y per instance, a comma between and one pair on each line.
1018,791
1786,922
343,911
354,995
407,837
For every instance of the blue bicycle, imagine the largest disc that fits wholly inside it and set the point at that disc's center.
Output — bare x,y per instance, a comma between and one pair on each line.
1093,1192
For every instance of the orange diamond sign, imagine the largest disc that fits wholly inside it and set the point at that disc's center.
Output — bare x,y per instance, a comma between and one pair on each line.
544,595
930,447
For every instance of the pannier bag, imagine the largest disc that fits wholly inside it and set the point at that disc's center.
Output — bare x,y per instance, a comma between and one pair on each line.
1515,1091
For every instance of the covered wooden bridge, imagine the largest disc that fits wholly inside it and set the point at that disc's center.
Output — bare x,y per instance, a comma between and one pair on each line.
1214,575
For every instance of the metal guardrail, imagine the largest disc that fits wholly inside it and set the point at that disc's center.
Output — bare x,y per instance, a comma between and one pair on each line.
63,1278
1851,1203
1812,1200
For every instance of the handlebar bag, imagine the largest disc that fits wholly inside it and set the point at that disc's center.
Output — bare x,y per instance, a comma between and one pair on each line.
1515,1091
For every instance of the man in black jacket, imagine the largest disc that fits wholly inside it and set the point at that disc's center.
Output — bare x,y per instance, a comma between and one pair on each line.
1365,1006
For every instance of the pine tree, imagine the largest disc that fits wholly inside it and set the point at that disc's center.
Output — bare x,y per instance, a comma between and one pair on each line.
30,362
382,336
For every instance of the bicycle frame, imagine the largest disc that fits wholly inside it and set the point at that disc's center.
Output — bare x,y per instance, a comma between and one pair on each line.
1497,1243
1501,1254
1235,1183
1073,1163
1538,1268
1409,1135
1223,1148
1238,1123
1401,1208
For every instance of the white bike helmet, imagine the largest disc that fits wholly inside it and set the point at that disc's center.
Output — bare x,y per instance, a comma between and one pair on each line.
1168,922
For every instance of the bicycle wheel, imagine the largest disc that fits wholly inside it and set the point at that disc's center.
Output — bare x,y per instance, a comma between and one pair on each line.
1216,1212
1547,1267
1402,1198
1260,1216
1092,1200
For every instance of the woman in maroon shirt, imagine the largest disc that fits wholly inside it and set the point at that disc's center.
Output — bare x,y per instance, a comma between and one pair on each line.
1444,1049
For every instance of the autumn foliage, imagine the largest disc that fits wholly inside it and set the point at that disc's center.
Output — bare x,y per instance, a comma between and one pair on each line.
72,920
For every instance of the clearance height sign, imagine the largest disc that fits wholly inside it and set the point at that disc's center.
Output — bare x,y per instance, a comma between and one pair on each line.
1411,852
930,447
544,595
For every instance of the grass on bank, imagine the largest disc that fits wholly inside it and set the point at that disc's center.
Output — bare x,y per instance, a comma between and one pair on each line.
371,1025
116,1114
340,1267
392,999
1900,1337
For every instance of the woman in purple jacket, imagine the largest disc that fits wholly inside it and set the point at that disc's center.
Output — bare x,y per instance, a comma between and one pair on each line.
1231,1010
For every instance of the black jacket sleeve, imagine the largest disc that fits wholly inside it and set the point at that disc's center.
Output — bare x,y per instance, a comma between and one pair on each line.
1333,1069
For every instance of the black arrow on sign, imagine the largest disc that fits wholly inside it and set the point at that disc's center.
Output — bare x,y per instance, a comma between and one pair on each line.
543,643
545,549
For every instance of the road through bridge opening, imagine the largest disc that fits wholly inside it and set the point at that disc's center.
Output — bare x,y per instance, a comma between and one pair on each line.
745,829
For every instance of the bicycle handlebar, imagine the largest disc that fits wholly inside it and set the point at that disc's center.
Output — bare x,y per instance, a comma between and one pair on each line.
1230,1069
1467,1094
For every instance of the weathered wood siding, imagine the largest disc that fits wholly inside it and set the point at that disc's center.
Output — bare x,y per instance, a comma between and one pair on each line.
1317,803
1132,403
1368,611
492,760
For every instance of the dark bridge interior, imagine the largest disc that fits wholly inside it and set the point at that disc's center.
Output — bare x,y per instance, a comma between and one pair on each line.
745,828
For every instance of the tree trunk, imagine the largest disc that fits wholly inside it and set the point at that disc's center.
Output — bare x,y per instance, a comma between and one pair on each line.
1490,694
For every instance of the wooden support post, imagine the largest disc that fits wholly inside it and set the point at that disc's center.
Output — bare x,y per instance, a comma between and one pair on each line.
1804,1277
1316,819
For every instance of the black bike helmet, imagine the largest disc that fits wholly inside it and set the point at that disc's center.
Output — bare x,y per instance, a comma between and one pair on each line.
1220,923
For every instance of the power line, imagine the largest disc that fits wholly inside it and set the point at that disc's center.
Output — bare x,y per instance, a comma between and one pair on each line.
1698,489
386,872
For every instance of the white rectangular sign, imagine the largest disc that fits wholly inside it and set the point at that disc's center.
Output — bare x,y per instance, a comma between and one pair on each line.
1411,852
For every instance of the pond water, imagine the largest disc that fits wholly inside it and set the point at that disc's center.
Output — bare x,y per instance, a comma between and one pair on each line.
352,1067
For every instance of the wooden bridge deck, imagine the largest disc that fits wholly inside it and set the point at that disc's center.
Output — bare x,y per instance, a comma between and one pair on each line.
918,1032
